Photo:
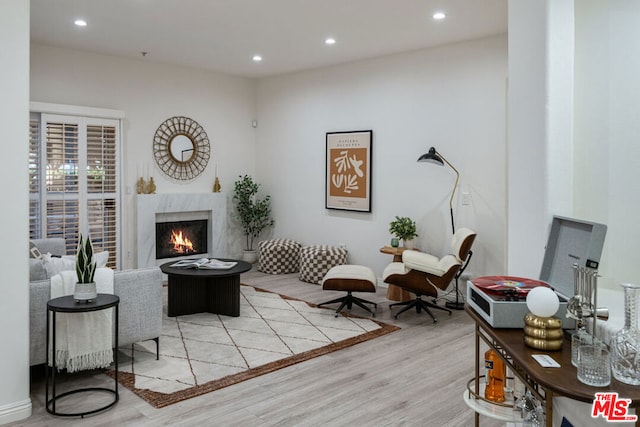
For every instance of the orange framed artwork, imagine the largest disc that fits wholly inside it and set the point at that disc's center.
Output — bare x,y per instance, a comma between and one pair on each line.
348,170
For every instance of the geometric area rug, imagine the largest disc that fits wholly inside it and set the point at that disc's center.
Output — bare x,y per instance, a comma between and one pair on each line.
203,352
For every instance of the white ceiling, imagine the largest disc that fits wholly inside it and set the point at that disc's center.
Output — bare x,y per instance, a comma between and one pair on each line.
223,35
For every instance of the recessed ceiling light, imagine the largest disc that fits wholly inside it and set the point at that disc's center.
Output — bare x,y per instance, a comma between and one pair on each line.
257,58
80,22
330,40
439,16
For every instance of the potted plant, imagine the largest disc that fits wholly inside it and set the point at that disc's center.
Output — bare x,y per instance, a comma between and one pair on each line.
85,289
403,228
254,214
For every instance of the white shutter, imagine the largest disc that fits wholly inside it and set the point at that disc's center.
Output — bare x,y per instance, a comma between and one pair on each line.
34,178
73,172
61,180
102,184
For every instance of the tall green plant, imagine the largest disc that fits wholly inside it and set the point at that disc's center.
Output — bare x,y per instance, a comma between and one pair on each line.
85,266
254,214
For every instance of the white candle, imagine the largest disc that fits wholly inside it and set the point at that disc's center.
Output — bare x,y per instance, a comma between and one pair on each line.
137,171
216,170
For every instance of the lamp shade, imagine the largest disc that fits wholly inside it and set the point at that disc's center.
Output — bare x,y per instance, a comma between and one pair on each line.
542,301
431,157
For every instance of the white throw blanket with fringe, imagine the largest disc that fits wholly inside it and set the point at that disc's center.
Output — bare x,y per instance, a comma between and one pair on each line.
83,340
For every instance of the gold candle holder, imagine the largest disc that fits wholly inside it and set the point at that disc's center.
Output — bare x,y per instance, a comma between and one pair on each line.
151,186
543,333
141,186
216,186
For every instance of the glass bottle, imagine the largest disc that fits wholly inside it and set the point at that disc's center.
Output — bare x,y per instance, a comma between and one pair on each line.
625,344
496,374
532,413
519,397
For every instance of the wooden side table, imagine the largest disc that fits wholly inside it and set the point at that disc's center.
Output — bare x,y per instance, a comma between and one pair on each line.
395,293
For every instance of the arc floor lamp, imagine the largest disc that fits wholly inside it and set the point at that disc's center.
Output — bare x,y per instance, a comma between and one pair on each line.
438,159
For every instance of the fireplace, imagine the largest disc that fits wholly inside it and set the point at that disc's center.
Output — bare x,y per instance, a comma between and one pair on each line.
181,238
158,208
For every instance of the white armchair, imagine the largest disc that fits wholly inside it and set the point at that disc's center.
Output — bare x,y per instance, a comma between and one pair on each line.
423,274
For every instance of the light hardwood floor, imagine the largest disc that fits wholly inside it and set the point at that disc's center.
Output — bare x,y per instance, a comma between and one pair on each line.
412,377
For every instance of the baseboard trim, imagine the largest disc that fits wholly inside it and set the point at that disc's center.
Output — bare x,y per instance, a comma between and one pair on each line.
15,411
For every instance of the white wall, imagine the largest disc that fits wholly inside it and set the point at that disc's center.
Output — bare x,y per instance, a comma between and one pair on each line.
150,93
15,403
451,97
607,126
540,127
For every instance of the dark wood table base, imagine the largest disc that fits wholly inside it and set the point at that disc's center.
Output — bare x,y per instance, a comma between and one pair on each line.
204,290
219,295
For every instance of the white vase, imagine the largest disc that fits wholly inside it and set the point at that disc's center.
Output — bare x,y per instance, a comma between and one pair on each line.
249,256
408,244
85,292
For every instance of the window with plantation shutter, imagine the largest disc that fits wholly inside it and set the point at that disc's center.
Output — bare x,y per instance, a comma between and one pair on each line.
34,177
101,186
74,176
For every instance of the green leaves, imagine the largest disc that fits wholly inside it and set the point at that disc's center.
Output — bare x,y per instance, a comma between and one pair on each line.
253,213
85,267
403,228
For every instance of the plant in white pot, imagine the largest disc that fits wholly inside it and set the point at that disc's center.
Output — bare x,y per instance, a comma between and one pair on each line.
85,288
404,228
253,213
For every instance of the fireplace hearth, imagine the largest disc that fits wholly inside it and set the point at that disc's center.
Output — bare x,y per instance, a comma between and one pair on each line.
181,238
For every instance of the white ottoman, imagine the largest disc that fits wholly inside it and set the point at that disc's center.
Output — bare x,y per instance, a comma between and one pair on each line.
350,278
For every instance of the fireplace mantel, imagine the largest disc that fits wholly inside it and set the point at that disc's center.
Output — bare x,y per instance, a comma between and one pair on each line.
212,206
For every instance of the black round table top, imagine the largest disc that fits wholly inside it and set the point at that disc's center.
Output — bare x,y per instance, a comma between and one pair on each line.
67,304
240,267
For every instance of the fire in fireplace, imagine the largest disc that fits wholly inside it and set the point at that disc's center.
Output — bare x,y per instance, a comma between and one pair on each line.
180,238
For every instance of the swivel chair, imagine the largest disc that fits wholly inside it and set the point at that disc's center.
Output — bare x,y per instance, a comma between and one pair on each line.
423,274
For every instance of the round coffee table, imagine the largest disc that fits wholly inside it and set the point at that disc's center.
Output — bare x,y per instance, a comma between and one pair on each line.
203,290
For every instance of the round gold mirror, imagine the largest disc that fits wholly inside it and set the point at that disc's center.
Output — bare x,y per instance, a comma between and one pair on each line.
181,148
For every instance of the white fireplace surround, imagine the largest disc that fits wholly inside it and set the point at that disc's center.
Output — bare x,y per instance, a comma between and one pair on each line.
152,208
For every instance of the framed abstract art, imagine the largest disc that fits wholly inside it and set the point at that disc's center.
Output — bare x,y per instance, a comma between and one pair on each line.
348,170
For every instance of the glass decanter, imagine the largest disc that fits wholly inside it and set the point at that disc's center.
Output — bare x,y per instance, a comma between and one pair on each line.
625,345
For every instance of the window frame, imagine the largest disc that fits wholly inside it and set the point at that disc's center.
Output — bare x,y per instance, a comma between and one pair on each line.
85,117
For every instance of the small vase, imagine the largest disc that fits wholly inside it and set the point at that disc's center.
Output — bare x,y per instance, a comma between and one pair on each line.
250,256
625,363
395,242
408,244
85,292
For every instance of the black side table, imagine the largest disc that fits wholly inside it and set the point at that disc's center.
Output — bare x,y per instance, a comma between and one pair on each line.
67,304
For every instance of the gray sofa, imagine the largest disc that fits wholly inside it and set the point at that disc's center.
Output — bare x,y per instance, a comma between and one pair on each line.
140,308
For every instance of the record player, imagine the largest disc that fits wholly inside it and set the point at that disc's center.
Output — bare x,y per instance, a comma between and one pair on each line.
501,300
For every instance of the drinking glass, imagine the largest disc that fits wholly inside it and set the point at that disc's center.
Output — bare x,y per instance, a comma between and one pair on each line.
594,365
